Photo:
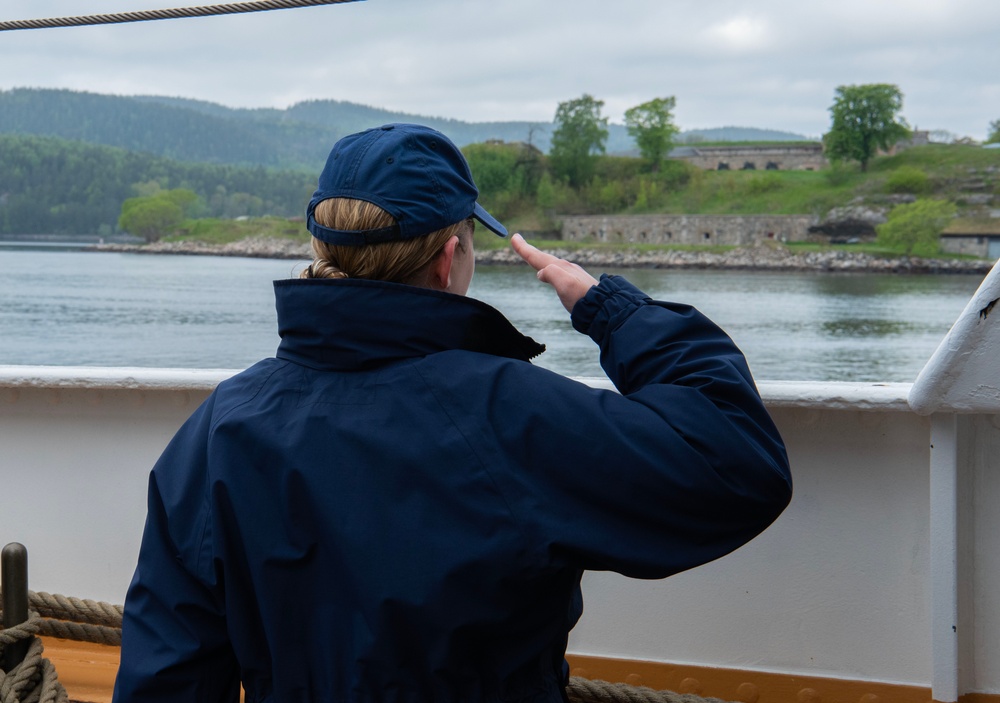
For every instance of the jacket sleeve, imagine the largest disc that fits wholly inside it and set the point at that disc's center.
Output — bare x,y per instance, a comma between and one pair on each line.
175,645
681,467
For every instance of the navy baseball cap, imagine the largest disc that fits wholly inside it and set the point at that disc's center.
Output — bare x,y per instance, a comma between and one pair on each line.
414,173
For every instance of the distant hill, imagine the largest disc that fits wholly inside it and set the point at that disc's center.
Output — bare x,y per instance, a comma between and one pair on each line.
739,134
298,137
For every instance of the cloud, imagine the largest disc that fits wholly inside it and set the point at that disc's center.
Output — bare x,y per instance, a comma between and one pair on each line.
773,63
739,35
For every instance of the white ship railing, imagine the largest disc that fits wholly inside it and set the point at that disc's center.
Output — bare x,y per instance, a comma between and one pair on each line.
885,567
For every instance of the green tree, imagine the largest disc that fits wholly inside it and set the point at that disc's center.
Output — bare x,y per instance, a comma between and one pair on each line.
994,135
150,218
154,215
579,136
916,227
865,119
651,125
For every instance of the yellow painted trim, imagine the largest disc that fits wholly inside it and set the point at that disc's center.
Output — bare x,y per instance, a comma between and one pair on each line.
87,671
752,686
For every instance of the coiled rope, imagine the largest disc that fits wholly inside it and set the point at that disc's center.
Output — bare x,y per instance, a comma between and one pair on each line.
35,681
169,14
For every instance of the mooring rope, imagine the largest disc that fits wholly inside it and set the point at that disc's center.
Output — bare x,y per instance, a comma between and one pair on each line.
34,680
582,690
169,14
75,619
78,619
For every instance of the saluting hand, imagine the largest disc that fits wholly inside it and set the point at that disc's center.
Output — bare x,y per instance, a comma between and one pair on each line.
570,281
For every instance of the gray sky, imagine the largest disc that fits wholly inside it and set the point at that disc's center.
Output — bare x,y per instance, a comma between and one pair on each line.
768,63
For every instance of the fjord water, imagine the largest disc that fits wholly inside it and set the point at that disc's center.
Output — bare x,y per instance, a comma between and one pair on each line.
108,309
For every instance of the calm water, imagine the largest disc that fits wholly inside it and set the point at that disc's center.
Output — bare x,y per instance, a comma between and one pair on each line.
82,308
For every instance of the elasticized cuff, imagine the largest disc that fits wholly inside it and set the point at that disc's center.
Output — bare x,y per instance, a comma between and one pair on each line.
606,306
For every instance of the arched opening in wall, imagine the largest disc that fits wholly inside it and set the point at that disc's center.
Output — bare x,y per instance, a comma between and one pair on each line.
670,235
706,235
771,166
770,235
749,166
723,166
644,236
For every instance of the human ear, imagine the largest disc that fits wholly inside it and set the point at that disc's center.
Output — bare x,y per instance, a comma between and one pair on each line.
440,270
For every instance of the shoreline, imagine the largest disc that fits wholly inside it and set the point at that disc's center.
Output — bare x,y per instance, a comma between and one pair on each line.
761,258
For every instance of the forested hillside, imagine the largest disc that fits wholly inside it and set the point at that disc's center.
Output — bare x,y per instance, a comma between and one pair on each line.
54,186
298,137
68,160
170,131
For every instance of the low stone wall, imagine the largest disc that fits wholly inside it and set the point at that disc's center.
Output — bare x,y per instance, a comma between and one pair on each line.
983,245
733,230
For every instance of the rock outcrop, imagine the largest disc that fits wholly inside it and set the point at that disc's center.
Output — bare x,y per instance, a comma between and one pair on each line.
851,222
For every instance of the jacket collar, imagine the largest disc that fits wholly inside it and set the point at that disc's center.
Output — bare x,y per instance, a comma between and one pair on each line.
353,324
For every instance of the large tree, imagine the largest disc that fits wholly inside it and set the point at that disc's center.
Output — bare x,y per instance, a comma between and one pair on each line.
651,125
865,120
150,218
154,216
579,136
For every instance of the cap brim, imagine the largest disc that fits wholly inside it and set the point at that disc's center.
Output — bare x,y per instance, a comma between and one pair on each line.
491,222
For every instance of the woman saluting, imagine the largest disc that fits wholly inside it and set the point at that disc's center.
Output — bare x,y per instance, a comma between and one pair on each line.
399,506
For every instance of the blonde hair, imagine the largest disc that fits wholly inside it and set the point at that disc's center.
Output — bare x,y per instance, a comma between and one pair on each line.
403,261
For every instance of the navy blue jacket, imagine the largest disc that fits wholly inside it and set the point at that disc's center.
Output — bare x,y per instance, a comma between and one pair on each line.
399,507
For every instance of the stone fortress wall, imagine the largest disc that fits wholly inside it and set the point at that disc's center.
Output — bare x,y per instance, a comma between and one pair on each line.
795,157
732,230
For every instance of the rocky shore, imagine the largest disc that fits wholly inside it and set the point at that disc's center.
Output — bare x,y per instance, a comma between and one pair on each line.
763,257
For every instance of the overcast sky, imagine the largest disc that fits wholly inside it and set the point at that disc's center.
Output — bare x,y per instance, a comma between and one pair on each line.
767,63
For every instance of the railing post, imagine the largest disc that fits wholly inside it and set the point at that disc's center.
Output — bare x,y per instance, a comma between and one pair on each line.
944,558
14,577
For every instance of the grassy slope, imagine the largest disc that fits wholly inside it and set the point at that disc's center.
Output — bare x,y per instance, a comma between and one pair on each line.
949,170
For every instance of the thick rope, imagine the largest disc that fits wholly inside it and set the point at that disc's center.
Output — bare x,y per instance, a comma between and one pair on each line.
74,619
582,690
34,680
75,609
169,14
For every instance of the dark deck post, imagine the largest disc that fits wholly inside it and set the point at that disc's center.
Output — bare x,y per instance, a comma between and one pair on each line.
14,576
